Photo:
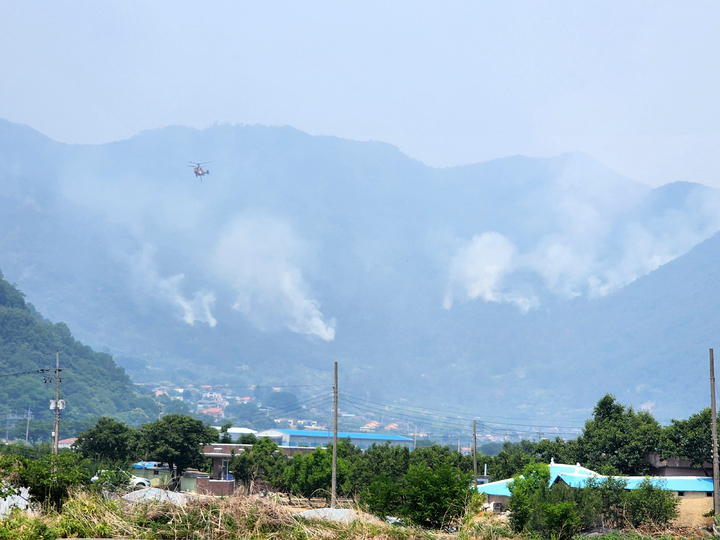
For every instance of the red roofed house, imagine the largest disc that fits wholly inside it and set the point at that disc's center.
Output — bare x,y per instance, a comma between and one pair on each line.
216,412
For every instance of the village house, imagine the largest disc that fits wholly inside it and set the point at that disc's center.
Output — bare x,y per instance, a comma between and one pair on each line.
695,492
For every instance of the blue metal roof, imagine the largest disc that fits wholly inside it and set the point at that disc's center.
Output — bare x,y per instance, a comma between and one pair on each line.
671,483
146,464
496,488
342,435
576,476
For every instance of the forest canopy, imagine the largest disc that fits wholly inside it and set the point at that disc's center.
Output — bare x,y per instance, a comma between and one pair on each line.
92,384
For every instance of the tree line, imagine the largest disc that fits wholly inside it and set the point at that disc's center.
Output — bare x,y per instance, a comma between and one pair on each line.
428,485
615,441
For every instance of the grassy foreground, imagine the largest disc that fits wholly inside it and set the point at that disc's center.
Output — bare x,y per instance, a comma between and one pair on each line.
90,515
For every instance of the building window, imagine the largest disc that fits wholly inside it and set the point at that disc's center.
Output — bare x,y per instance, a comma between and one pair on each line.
709,494
681,493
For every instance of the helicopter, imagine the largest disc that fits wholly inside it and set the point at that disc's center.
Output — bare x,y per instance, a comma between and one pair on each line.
198,170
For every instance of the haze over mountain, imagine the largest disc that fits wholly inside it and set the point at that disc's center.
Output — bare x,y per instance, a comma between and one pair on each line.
517,287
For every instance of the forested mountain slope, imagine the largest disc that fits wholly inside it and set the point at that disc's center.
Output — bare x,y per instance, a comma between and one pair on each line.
92,384
481,287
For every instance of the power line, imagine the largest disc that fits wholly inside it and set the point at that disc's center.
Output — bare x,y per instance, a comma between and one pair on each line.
459,414
407,418
485,422
444,423
312,401
41,370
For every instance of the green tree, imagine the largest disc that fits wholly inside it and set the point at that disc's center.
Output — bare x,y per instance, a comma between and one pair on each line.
48,479
559,450
442,454
607,497
262,462
529,491
435,494
390,462
310,474
561,520
650,504
177,440
512,459
616,439
109,441
690,439
247,438
224,436
556,512
383,496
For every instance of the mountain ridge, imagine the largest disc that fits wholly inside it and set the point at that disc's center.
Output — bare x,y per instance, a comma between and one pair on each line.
297,251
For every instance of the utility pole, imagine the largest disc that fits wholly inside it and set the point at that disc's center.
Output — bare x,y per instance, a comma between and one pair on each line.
333,495
713,419
29,416
475,451
57,403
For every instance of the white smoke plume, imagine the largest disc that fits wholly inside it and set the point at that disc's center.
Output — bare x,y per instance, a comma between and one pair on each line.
480,267
261,258
596,242
198,308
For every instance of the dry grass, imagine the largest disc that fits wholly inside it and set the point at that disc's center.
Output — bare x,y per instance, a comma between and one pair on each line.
90,515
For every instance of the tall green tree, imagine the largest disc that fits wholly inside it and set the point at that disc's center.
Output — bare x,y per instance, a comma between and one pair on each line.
177,440
616,439
435,493
310,475
109,441
262,462
529,491
512,459
390,462
691,439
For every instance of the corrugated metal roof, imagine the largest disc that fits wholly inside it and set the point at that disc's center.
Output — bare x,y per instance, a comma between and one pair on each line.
496,488
343,435
147,464
672,483
576,476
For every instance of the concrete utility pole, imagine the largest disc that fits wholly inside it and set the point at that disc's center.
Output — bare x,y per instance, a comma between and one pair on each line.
333,496
29,416
713,419
475,451
56,431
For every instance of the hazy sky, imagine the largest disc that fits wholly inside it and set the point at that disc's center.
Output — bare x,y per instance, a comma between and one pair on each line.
633,84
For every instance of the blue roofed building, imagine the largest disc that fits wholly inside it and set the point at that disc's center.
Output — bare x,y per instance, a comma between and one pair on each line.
695,492
301,437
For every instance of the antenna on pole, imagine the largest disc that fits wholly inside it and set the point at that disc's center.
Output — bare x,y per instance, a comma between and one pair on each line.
333,495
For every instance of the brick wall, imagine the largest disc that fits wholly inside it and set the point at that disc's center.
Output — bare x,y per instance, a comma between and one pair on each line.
206,486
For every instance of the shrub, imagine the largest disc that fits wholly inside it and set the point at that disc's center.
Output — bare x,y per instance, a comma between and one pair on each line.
561,520
529,492
650,504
